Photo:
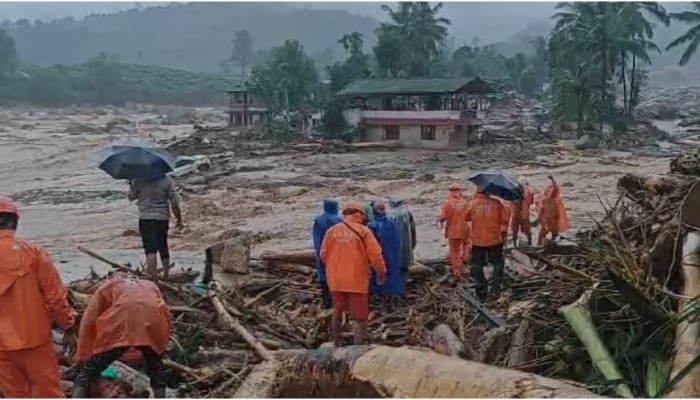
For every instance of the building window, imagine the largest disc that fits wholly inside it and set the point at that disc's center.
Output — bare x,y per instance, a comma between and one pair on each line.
391,133
427,132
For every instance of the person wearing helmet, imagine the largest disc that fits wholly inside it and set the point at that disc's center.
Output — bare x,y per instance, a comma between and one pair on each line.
32,297
125,313
457,229
349,249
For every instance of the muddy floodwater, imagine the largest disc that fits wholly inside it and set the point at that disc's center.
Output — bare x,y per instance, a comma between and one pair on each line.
48,164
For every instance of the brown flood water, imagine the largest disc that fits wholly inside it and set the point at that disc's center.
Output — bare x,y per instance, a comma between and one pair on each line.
66,201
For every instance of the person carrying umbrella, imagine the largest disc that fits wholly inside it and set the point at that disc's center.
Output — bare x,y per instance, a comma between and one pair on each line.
457,229
31,296
146,170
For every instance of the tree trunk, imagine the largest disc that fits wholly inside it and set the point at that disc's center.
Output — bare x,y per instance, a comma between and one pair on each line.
623,67
401,373
633,83
687,331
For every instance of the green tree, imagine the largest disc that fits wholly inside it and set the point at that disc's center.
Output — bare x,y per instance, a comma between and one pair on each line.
691,38
412,39
8,55
352,43
243,52
103,80
598,39
288,80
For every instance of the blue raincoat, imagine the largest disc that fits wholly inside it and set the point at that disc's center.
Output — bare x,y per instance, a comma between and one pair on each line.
387,235
322,223
404,221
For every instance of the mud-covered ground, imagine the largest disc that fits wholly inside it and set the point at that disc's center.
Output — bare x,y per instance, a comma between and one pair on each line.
48,164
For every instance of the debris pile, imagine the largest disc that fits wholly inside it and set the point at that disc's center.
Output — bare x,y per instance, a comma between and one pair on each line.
606,309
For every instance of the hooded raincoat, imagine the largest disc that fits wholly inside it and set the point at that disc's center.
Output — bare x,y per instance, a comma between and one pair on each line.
322,223
32,296
124,312
404,221
387,234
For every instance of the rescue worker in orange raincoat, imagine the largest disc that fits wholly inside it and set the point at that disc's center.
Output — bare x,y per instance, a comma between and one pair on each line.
551,213
457,230
31,297
520,222
489,220
124,313
348,251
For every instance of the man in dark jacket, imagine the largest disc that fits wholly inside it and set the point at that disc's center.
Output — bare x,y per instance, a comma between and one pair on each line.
323,222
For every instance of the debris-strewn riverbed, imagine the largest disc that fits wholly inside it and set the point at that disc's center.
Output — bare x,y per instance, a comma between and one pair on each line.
48,164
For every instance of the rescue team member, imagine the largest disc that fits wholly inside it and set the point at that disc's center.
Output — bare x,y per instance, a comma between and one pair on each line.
402,217
520,221
348,250
156,199
31,296
489,220
387,234
124,313
457,230
322,223
551,213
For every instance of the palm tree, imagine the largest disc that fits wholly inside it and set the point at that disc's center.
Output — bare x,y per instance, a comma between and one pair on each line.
417,25
352,43
691,38
607,33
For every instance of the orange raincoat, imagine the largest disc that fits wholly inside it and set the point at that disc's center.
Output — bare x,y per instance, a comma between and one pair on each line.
552,212
489,219
348,250
522,221
457,229
31,296
124,312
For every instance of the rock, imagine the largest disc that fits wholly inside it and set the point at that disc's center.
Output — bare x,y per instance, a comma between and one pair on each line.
232,255
426,178
689,121
587,142
120,125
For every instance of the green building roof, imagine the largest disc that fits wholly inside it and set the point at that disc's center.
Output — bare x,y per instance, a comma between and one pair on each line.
368,87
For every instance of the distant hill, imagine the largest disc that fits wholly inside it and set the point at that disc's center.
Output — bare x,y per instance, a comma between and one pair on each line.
190,36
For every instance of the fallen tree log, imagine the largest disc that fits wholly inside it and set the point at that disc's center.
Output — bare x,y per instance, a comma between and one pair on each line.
411,373
687,330
261,381
307,257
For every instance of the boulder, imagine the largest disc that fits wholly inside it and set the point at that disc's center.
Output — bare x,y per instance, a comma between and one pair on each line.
231,255
587,142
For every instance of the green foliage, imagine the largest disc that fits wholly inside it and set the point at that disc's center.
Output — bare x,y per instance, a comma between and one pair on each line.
412,39
103,81
691,38
288,80
591,44
242,53
8,55
192,36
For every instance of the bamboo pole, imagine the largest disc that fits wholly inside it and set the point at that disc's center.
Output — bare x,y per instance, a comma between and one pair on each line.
579,318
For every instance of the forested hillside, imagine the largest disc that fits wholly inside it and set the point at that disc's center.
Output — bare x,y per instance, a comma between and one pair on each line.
192,36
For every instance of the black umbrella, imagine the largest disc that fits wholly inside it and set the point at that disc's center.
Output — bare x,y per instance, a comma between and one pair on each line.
497,184
135,162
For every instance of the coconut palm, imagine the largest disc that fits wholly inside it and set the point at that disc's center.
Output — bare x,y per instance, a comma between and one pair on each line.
352,43
419,28
691,38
